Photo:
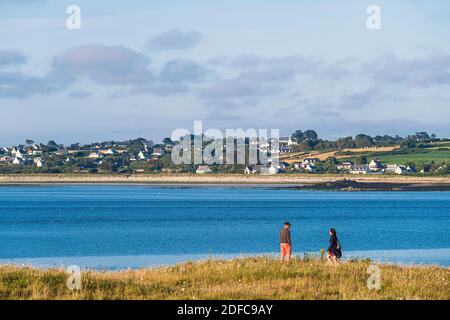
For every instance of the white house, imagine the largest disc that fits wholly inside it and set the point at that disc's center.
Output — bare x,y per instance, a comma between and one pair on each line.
360,169
17,161
345,166
297,166
109,152
397,169
94,155
269,170
292,142
311,168
38,162
6,159
203,170
157,152
308,161
252,169
18,153
283,141
375,165
142,156
401,170
390,168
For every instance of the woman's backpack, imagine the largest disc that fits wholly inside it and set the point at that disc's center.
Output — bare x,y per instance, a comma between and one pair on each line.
338,244
337,251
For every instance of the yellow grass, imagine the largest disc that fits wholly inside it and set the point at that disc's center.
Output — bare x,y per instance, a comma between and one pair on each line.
322,156
246,278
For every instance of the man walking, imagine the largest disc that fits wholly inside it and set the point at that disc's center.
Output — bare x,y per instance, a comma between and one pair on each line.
285,242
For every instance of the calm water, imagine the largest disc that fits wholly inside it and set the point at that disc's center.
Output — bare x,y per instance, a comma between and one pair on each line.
134,226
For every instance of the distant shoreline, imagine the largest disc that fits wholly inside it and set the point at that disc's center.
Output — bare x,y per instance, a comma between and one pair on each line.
400,257
294,181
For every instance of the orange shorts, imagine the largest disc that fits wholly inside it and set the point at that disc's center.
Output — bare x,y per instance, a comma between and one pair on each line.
285,249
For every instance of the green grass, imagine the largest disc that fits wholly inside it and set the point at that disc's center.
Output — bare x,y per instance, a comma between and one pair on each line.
436,156
246,278
424,155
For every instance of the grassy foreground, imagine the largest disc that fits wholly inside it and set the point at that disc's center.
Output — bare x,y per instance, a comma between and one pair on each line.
246,278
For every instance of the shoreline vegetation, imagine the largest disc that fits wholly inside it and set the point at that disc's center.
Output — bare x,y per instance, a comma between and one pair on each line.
293,181
241,278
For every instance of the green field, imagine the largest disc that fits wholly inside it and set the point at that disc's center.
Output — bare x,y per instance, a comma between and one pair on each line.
426,156
436,156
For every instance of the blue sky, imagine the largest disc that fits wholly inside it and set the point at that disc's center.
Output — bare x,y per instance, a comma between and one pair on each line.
144,68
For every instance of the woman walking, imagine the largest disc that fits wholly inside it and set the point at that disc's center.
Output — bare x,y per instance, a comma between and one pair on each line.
334,249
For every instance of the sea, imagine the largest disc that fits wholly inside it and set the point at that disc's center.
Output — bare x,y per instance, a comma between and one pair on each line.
114,227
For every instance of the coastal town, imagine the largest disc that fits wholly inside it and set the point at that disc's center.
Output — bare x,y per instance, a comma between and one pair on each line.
302,152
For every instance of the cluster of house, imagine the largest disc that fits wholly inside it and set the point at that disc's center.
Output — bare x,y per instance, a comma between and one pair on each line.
33,154
143,155
375,167
22,155
308,165
271,168
311,165
285,145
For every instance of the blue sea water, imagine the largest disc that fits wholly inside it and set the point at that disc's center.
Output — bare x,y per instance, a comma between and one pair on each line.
121,226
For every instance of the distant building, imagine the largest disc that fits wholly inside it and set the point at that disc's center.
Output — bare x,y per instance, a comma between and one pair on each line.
109,152
252,169
311,168
203,170
347,166
296,166
360,169
158,152
286,141
311,162
284,149
269,170
142,156
401,170
375,165
398,169
308,161
18,161
18,153
38,162
94,155
6,159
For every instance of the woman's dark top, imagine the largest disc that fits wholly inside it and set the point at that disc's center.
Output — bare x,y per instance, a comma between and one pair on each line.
333,247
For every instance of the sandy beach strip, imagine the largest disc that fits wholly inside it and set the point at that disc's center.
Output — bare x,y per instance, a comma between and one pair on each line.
290,179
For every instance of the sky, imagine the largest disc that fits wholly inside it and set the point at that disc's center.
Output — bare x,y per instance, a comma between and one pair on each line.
145,68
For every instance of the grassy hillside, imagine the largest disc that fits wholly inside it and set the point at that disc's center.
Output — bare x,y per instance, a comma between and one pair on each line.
422,155
249,278
427,156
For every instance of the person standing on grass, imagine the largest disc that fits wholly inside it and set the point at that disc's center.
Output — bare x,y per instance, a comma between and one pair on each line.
285,242
334,249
